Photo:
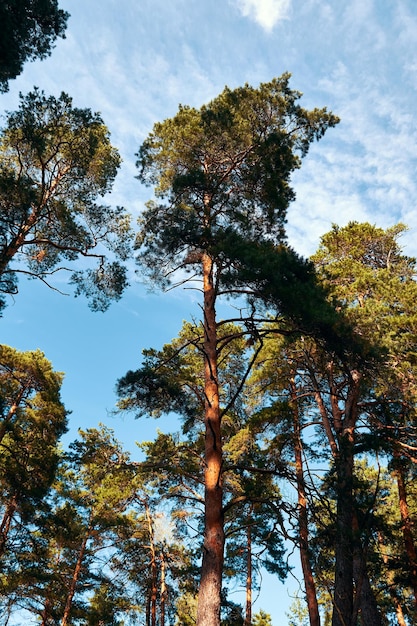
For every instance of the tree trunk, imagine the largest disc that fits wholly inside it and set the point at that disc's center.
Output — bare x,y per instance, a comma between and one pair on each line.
12,411
392,587
163,591
310,586
148,609
46,613
75,577
343,579
6,523
209,596
248,611
406,525
153,592
365,604
345,429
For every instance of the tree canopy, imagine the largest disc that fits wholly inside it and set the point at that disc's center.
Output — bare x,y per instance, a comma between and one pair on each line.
28,30
56,163
223,169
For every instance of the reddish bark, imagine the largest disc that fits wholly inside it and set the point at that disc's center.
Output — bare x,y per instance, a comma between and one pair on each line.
209,597
75,578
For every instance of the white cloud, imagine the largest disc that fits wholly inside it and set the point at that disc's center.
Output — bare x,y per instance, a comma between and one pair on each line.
267,13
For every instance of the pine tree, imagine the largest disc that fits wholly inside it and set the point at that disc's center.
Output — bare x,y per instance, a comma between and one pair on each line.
221,172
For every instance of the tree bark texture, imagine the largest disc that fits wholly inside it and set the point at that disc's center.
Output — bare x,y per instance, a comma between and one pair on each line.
345,423
392,587
153,590
365,604
406,524
209,596
163,590
75,578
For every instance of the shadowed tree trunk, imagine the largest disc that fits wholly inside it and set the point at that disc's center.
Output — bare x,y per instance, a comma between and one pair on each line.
365,603
406,524
6,522
344,422
310,586
248,610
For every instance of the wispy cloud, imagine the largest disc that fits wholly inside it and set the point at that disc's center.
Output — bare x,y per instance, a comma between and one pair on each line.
267,13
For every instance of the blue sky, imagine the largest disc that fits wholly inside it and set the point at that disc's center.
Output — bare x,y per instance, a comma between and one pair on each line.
135,61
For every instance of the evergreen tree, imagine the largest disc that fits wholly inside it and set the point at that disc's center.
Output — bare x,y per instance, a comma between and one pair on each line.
56,161
263,619
33,420
173,379
28,30
220,171
374,281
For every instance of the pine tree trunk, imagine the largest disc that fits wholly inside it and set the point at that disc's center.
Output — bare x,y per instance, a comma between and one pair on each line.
248,611
209,596
46,613
310,586
343,580
154,569
365,603
406,525
392,586
6,523
75,577
163,591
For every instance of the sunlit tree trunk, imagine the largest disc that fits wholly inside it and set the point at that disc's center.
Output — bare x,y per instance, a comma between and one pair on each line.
163,590
75,578
209,597
153,591
248,610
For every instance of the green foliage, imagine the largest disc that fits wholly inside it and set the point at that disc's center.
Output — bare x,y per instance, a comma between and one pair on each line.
186,610
298,613
262,619
68,561
372,279
33,419
55,162
224,167
28,30
278,278
172,379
